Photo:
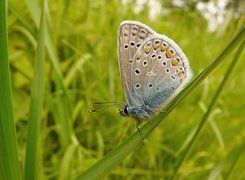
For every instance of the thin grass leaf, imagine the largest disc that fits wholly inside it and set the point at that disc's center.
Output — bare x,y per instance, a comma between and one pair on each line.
32,152
34,10
237,154
63,94
209,110
232,159
9,163
65,168
109,161
19,16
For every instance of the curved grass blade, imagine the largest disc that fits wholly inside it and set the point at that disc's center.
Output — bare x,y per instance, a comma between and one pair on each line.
206,115
114,157
9,163
32,158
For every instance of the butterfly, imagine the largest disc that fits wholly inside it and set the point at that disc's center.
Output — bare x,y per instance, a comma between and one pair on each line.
153,70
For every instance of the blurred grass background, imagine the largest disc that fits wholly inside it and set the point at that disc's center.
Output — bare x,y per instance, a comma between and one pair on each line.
81,68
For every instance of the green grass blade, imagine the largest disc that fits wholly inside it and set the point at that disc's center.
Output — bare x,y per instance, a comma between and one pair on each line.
210,108
121,151
9,164
24,21
34,10
63,96
32,158
233,165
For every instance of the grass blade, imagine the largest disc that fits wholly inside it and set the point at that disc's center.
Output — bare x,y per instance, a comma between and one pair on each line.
206,115
32,159
65,108
121,151
63,96
24,21
9,164
235,161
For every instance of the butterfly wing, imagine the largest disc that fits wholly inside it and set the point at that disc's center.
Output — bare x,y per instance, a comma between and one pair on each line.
131,36
159,71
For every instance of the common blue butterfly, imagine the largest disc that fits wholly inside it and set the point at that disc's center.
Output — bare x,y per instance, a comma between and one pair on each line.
153,70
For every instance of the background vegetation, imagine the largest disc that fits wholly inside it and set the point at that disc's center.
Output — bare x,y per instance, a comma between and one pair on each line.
81,67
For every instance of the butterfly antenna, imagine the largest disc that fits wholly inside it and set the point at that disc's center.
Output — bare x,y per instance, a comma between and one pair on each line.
104,108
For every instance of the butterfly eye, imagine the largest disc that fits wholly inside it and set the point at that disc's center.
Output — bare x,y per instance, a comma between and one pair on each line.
164,63
150,85
126,46
159,57
167,70
130,61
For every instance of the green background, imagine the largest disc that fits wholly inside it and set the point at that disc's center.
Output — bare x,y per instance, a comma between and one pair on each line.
82,53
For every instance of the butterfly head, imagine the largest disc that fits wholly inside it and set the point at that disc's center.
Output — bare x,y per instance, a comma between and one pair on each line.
124,111
137,112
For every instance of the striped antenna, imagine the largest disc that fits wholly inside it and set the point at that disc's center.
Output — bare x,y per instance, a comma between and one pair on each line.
115,104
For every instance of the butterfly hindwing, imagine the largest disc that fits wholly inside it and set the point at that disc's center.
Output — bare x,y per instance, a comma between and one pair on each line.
159,68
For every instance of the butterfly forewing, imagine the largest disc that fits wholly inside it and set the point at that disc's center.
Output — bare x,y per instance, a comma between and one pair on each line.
131,37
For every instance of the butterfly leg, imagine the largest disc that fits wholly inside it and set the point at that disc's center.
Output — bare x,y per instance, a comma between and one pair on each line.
138,129
163,111
152,122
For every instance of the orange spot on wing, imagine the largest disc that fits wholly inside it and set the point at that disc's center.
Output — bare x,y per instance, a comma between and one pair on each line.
147,49
175,62
156,44
138,56
181,74
169,54
163,48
